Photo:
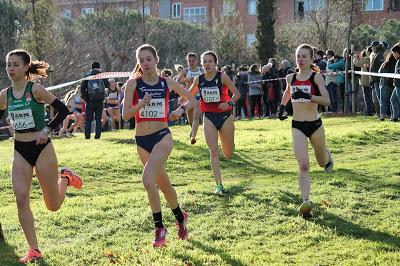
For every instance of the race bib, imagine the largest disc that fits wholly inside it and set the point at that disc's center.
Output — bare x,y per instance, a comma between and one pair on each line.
211,95
113,96
22,119
303,88
155,109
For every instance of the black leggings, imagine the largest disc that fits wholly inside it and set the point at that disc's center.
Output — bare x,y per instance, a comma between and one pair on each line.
241,104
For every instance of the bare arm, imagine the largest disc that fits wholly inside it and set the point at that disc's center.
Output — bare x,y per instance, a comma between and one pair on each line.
42,95
175,86
3,99
286,93
324,98
181,76
232,88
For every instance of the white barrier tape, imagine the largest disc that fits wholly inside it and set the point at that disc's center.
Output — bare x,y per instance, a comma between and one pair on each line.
104,75
323,73
382,75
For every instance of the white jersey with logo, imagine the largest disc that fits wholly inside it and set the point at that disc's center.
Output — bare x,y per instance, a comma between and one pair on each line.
193,74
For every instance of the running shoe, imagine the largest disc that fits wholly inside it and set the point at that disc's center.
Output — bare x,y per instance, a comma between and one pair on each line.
306,209
73,179
219,189
31,255
182,230
160,238
329,165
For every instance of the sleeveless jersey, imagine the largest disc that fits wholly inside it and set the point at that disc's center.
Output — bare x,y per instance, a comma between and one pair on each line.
26,113
308,86
113,94
193,74
157,109
212,93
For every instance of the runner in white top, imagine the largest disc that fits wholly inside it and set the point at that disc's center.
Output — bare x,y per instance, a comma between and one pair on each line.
187,76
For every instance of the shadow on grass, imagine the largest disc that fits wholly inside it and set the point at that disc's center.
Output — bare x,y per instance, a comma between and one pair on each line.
226,257
7,254
122,141
9,257
341,226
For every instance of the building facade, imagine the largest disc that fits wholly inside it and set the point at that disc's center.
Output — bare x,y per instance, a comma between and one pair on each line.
201,11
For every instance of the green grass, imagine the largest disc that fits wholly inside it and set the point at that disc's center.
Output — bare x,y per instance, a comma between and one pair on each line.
356,221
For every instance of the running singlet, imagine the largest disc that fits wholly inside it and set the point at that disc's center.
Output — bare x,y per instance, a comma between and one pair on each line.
26,114
308,86
193,74
212,93
113,94
157,109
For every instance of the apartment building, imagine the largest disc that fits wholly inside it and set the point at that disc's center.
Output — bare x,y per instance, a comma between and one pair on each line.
200,11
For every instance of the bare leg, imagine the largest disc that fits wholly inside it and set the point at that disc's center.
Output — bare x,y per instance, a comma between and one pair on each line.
300,148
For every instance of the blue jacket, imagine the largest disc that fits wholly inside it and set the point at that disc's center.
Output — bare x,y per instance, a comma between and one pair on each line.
338,66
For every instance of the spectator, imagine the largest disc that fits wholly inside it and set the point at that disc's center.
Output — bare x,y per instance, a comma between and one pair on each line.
330,81
376,60
113,104
385,86
362,60
241,83
93,92
338,65
173,97
268,92
320,61
255,91
395,98
276,96
285,68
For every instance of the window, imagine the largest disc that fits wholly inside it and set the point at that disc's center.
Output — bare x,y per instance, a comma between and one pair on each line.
302,7
146,10
176,10
195,15
87,10
67,13
251,38
252,7
228,7
395,5
373,5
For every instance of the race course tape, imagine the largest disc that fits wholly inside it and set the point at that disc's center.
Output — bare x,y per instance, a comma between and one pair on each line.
105,75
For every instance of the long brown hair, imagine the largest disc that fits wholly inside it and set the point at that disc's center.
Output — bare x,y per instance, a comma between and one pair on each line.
37,69
138,71
310,49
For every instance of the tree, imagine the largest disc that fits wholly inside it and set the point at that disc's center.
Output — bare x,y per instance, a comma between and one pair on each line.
265,33
10,23
228,38
363,35
38,35
390,31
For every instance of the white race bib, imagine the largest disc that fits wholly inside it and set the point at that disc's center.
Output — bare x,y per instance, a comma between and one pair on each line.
211,95
113,96
22,119
303,88
155,109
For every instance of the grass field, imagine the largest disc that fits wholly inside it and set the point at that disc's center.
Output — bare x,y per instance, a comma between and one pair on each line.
356,220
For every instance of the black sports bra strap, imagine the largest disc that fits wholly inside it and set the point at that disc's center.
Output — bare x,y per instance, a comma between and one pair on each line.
293,79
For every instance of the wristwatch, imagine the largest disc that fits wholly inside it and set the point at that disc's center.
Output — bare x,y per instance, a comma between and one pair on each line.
231,103
47,130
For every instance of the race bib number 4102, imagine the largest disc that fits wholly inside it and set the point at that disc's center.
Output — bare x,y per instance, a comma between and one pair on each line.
211,95
155,109
303,88
22,119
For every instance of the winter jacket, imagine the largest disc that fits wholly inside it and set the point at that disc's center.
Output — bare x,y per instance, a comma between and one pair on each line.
364,80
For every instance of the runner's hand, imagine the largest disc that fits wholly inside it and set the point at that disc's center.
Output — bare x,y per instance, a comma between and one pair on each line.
42,138
223,106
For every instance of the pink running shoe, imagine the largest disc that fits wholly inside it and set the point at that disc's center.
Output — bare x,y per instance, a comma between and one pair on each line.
182,229
31,255
73,179
160,239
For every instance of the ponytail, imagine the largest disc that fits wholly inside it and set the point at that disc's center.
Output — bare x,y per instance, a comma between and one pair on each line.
137,72
37,69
